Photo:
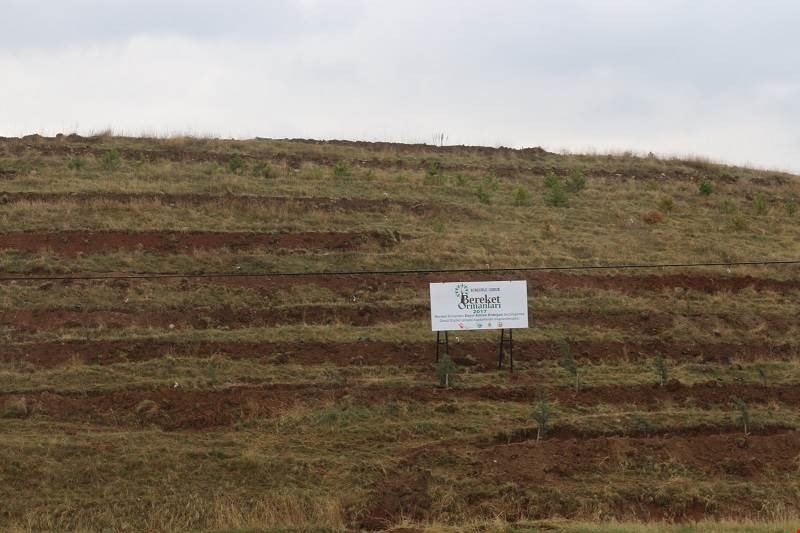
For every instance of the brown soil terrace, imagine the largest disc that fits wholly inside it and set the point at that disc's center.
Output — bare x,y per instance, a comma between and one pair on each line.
480,355
722,455
33,320
188,408
567,458
71,243
194,200
348,286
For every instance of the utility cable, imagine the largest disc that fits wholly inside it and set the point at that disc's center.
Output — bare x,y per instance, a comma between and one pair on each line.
177,275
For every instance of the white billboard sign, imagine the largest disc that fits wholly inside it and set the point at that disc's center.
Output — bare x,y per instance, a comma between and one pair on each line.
479,305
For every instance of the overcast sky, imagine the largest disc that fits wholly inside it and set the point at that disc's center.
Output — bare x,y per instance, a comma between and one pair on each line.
715,78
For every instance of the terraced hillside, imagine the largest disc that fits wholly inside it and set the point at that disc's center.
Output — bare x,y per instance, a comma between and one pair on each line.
311,400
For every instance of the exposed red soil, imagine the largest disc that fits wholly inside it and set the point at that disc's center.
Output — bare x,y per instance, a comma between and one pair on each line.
710,456
189,408
399,494
197,200
481,355
71,243
513,476
566,460
709,453
33,320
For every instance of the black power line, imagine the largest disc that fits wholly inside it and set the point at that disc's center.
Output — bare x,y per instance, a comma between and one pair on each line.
175,275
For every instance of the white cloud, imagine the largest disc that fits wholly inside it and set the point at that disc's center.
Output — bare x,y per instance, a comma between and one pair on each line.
677,78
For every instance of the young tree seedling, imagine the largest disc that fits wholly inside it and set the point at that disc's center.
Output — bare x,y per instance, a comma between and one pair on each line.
541,414
568,363
762,373
445,371
211,371
641,425
744,413
661,369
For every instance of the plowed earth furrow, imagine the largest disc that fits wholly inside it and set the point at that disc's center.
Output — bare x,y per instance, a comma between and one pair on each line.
34,320
349,285
567,453
478,354
198,200
71,243
179,408
577,463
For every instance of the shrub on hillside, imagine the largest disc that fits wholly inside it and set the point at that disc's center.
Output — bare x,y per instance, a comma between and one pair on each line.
433,174
264,170
111,160
640,424
706,187
437,226
556,196
486,189
236,164
522,197
434,178
760,204
576,181
341,170
728,206
76,163
491,183
551,180
666,204
484,195
460,180
738,223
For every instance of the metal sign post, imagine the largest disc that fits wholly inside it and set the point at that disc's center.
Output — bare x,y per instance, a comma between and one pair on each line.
506,341
442,342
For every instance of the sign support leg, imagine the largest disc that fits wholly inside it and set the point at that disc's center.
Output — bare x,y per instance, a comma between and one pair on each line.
442,342
506,341
511,350
500,351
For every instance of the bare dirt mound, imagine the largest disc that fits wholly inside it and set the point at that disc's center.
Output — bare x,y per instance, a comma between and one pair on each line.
71,243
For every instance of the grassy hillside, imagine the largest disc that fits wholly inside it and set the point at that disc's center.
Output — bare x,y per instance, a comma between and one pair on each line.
312,401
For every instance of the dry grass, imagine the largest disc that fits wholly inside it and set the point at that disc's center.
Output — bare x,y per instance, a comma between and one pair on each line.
319,457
